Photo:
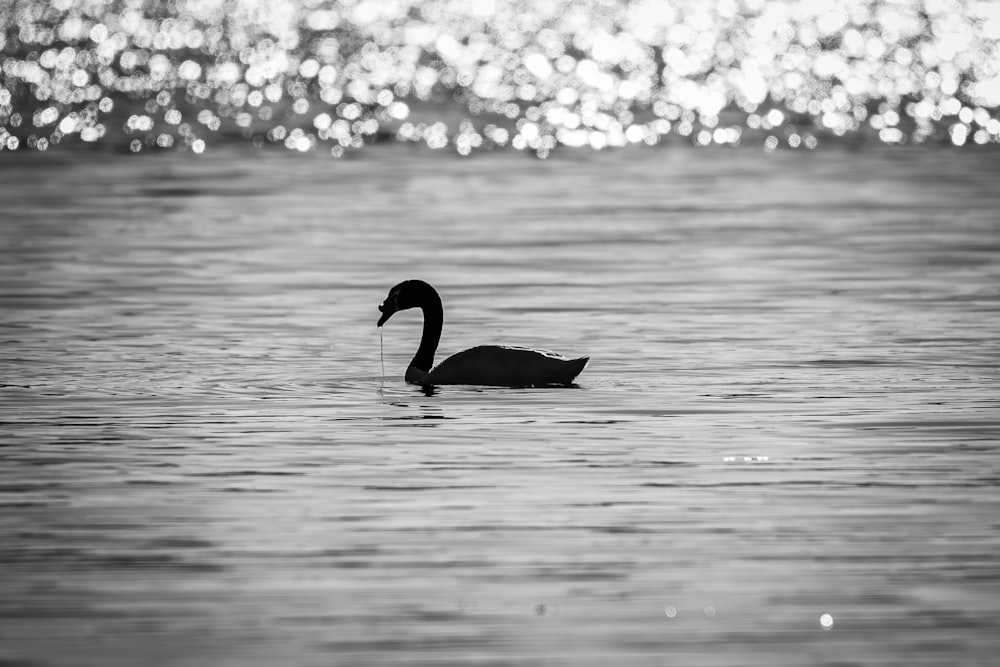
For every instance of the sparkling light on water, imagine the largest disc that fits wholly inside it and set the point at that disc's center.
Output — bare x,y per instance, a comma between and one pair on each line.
534,76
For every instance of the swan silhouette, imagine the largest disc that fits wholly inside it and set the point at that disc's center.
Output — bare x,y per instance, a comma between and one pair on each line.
492,365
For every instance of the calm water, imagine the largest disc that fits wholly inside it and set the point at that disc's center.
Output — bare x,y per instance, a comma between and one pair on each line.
791,410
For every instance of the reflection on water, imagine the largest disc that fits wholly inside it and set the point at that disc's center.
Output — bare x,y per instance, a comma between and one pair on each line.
483,75
783,451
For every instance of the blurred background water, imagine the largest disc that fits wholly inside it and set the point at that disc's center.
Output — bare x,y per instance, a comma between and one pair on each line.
486,74
783,452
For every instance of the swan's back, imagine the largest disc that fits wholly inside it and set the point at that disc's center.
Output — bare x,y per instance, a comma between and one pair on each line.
502,366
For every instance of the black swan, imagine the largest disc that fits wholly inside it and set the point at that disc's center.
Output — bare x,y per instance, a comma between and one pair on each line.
493,365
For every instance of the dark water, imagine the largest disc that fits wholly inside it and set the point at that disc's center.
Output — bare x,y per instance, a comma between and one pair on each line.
791,410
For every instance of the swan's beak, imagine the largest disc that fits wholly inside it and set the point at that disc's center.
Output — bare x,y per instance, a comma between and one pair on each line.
387,311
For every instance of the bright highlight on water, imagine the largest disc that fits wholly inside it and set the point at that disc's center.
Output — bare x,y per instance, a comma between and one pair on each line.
492,74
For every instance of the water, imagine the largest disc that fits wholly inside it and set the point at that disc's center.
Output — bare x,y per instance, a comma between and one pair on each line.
791,409
334,76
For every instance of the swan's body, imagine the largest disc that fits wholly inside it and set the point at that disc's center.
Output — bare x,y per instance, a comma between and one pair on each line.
483,365
500,366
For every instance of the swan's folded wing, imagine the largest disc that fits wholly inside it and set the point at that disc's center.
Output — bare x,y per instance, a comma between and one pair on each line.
506,367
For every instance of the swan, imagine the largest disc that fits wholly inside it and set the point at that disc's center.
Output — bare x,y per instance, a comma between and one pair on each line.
493,365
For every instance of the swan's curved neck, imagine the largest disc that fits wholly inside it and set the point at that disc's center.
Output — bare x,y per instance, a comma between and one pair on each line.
430,304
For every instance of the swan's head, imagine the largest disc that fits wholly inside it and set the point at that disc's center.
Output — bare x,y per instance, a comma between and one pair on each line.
398,299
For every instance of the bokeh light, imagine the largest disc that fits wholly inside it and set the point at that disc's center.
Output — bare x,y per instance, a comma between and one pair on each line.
471,76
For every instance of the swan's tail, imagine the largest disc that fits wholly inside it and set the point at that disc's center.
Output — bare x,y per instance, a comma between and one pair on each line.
574,367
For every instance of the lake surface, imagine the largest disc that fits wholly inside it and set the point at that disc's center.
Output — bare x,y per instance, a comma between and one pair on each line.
784,450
